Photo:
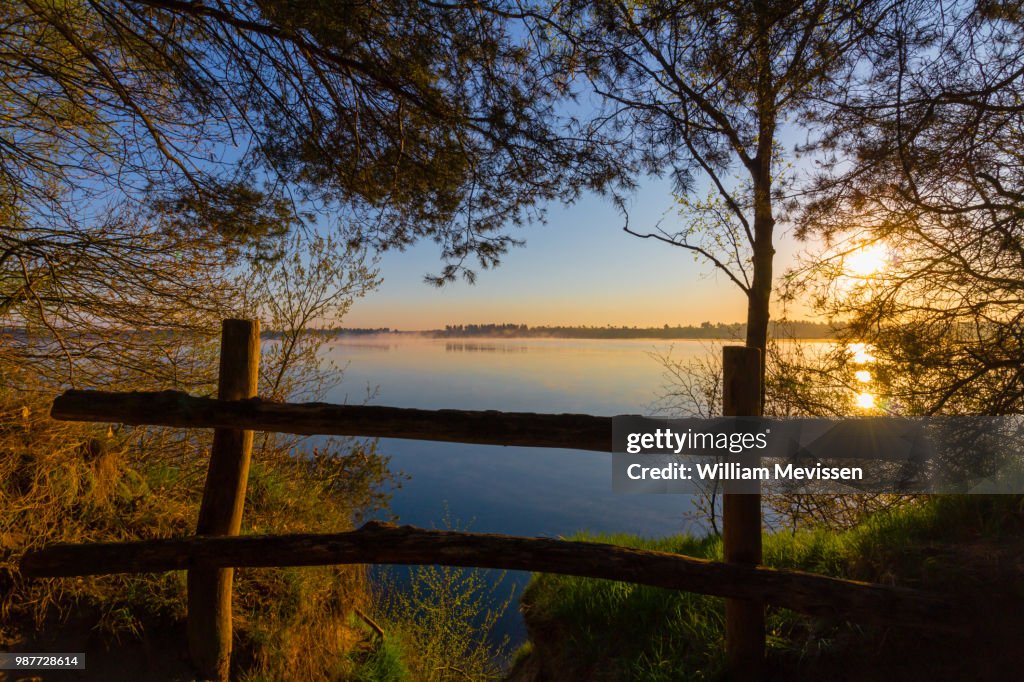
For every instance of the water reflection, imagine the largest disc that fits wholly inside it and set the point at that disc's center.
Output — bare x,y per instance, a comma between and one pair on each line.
373,346
471,347
865,401
861,354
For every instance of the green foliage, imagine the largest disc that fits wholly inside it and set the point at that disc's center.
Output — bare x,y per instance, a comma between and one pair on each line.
444,618
383,664
601,630
245,120
590,629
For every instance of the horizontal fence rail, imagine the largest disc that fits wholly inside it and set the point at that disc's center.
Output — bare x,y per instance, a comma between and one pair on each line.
383,543
486,427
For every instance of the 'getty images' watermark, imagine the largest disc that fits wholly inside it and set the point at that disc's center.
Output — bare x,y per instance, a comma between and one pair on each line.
881,454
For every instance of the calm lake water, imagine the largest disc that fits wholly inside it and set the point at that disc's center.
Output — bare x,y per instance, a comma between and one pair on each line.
515,490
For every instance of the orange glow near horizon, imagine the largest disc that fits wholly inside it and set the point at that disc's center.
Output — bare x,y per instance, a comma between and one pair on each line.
433,309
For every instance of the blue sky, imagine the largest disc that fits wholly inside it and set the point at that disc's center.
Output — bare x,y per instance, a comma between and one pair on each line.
578,269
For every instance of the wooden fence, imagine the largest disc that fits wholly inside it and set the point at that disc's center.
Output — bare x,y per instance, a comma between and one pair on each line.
217,548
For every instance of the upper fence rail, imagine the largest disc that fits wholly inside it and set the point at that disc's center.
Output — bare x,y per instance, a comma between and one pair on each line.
484,427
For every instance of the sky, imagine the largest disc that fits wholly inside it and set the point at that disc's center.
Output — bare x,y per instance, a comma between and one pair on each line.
580,268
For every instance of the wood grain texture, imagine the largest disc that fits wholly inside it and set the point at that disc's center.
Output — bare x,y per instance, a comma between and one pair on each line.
741,520
220,513
383,543
485,427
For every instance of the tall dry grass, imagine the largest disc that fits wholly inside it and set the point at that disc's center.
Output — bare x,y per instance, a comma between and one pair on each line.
63,482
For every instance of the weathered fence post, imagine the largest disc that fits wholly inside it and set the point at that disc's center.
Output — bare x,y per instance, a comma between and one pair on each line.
741,520
209,589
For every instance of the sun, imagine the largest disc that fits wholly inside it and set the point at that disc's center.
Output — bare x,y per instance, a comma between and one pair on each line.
867,260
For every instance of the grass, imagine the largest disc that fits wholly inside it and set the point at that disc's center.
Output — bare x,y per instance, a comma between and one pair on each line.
586,629
385,663
78,483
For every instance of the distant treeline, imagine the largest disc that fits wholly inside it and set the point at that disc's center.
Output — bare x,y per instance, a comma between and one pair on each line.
706,330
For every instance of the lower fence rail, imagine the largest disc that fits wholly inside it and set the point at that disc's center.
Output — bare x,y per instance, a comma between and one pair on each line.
384,543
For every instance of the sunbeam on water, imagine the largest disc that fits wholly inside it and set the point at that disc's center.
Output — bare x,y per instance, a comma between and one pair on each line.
865,401
861,353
